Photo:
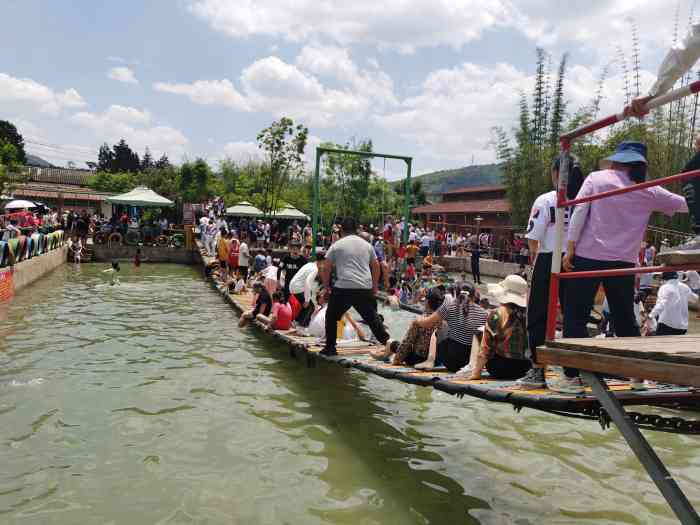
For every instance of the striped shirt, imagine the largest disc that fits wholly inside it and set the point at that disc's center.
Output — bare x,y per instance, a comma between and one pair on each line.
462,327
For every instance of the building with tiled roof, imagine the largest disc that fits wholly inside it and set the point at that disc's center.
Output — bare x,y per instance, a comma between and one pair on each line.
62,188
460,208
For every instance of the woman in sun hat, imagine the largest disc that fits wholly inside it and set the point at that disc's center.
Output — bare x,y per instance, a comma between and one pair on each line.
504,343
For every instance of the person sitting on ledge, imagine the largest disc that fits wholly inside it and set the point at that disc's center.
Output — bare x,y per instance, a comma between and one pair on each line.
263,304
504,342
415,345
464,317
281,316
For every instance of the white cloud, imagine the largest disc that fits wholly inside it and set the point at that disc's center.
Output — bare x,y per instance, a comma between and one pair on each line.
122,74
136,127
390,23
207,92
241,151
27,91
274,86
451,118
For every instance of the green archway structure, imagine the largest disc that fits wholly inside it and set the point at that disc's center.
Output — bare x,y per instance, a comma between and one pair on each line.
320,151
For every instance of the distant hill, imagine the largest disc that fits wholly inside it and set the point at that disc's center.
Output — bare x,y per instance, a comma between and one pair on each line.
439,182
38,162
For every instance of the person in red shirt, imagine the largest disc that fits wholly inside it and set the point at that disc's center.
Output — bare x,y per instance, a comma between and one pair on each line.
281,315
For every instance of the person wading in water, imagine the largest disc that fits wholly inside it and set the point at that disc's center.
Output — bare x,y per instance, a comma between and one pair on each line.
357,271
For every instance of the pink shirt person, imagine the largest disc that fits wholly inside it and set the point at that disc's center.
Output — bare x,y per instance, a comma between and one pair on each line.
283,313
613,228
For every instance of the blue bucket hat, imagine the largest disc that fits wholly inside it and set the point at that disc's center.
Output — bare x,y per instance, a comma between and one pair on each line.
628,152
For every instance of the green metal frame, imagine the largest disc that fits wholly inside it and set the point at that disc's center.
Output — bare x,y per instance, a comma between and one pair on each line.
317,186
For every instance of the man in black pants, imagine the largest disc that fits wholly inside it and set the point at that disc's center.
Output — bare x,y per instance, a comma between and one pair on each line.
357,271
476,255
540,238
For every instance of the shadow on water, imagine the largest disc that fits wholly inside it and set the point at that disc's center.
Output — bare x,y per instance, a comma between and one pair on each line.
359,443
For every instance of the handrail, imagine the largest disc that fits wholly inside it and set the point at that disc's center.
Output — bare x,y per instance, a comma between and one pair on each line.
617,272
635,187
676,94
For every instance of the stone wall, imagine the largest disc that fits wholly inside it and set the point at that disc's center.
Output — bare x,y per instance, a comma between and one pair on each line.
26,272
488,267
156,254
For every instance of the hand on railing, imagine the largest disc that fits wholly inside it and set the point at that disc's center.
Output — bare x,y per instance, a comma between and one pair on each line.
637,107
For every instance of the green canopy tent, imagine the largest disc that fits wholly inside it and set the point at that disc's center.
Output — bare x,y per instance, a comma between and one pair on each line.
290,213
244,209
142,197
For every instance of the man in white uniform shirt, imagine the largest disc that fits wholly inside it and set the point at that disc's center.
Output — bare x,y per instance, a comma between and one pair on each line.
671,309
540,238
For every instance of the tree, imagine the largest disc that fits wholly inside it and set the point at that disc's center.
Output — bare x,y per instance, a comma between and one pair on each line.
125,159
147,160
9,167
105,158
196,181
163,162
350,176
283,144
10,135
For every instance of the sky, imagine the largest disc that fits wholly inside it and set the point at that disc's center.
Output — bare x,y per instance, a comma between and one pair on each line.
200,78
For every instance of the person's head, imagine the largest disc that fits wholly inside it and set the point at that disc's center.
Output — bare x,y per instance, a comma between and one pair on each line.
258,287
630,157
467,293
278,297
349,226
294,249
115,266
484,303
667,276
434,300
510,291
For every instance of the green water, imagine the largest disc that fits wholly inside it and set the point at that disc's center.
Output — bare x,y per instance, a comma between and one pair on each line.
143,403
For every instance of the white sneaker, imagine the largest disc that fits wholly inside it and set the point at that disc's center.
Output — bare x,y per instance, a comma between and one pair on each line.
465,371
566,385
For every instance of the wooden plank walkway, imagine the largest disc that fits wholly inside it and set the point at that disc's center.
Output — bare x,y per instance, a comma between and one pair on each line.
357,356
671,359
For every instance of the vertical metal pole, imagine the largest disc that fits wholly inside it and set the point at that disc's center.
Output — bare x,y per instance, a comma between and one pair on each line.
558,240
406,202
645,454
316,203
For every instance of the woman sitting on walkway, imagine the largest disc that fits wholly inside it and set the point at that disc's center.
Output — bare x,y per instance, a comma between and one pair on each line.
416,343
464,318
504,342
281,316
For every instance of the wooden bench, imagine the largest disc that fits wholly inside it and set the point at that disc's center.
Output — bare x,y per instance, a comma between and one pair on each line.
670,359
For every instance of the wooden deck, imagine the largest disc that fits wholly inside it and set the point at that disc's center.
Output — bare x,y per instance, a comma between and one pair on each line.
670,359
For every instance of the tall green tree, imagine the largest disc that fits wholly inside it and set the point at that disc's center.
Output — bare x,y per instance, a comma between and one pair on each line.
10,135
283,145
350,176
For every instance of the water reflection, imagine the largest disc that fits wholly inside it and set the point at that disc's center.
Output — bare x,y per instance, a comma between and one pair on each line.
144,403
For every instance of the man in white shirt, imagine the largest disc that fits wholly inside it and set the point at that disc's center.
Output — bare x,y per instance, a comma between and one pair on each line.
540,239
305,285
671,309
243,259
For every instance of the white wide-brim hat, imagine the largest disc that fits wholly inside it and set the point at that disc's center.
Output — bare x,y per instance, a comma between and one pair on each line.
513,289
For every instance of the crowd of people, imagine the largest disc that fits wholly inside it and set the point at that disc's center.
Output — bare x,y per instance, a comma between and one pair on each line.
459,329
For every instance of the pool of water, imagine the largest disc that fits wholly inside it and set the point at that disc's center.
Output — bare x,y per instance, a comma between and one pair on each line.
143,403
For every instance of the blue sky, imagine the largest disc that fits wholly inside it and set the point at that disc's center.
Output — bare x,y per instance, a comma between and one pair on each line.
202,77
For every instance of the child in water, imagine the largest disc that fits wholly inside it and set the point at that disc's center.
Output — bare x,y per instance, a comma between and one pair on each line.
137,257
113,273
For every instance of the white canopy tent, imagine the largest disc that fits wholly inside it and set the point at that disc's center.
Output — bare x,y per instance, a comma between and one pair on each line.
19,204
244,209
143,197
290,212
